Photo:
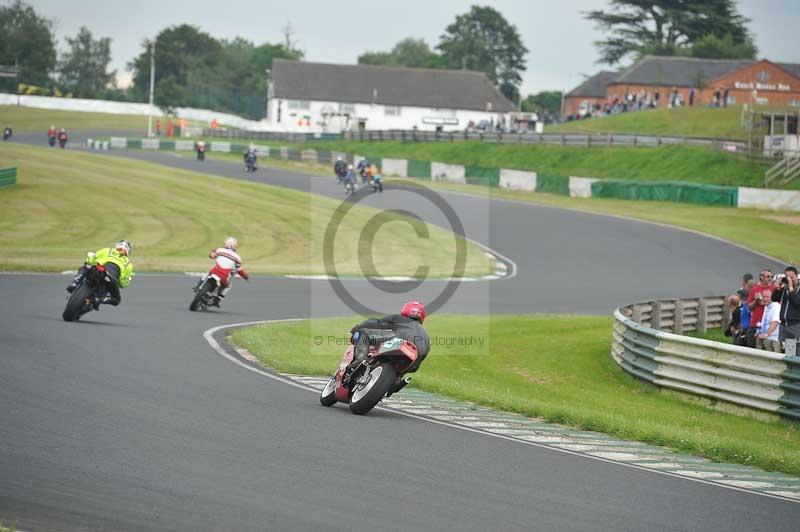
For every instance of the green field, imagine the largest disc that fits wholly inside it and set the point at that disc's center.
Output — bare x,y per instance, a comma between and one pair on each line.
701,121
683,163
67,203
557,368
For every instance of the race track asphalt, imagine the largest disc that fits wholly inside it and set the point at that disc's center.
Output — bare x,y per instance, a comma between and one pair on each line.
128,420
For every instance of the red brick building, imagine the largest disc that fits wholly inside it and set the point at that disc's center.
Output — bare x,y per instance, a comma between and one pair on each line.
665,81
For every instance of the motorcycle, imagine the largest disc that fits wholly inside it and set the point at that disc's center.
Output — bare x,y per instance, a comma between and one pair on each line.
207,293
62,141
250,166
88,294
350,187
364,384
51,141
201,151
7,133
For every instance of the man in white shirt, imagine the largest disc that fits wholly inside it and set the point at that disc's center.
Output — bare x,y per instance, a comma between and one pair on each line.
767,338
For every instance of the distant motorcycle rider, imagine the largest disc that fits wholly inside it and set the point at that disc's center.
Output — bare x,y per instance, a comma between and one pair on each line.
406,325
52,135
363,166
7,133
251,159
349,180
62,137
227,263
340,168
118,268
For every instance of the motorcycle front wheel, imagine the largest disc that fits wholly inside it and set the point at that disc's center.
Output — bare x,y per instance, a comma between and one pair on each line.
76,303
367,395
200,298
327,397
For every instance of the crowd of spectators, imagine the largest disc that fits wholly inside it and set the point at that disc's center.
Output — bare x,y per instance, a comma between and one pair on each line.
643,100
765,313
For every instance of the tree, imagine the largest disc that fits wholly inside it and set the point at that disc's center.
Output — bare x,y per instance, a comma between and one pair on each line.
27,39
545,101
409,52
483,40
184,56
714,47
666,27
84,68
193,69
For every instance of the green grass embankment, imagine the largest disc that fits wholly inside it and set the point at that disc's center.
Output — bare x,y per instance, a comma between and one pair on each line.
699,121
681,163
557,368
66,203
29,120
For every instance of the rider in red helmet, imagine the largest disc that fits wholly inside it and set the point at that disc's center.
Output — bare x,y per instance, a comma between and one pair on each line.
406,325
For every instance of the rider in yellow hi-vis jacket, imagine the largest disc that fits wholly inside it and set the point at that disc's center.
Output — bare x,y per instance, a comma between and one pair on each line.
118,268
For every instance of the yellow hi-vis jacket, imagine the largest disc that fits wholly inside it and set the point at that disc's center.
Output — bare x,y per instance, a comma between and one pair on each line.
106,255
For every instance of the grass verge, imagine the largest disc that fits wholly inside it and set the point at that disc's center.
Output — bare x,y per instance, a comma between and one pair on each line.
67,203
557,368
683,163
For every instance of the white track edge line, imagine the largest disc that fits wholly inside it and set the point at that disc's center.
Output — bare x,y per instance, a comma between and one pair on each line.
209,336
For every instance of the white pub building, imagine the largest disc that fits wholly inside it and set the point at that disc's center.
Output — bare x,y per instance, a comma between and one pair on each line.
307,97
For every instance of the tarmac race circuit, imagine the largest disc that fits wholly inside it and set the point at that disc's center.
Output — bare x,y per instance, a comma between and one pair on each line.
129,420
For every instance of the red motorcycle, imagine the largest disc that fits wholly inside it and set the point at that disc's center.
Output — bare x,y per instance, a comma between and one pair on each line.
365,383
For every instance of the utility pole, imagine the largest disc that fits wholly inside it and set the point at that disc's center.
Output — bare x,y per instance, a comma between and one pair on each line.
152,87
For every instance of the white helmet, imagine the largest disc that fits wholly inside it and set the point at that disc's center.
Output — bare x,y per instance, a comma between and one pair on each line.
231,243
124,245
338,157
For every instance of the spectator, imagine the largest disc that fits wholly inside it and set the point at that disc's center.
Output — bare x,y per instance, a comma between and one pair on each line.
747,284
757,300
734,328
744,324
790,307
691,97
170,128
725,97
158,128
768,332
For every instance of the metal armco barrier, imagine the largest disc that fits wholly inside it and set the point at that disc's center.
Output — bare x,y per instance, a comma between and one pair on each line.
746,377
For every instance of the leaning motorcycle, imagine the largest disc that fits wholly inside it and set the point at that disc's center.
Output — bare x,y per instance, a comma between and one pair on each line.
365,383
207,293
88,294
7,133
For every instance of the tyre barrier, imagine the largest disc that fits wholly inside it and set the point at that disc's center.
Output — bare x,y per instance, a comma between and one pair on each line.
647,343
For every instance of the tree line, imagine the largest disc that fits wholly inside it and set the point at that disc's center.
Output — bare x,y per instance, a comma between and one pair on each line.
195,69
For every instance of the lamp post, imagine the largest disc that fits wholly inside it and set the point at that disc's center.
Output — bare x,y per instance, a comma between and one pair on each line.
152,88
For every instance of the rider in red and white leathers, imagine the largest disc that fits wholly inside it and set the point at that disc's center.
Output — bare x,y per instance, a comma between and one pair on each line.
227,264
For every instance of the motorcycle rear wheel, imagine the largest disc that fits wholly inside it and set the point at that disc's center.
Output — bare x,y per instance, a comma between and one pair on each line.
76,302
327,397
365,397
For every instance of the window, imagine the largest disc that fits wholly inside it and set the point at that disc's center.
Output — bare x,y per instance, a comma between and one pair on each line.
794,103
347,109
391,110
299,104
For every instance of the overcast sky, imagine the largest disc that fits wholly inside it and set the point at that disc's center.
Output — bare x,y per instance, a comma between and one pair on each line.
337,31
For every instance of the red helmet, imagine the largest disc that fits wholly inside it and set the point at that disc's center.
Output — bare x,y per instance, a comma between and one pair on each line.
415,310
